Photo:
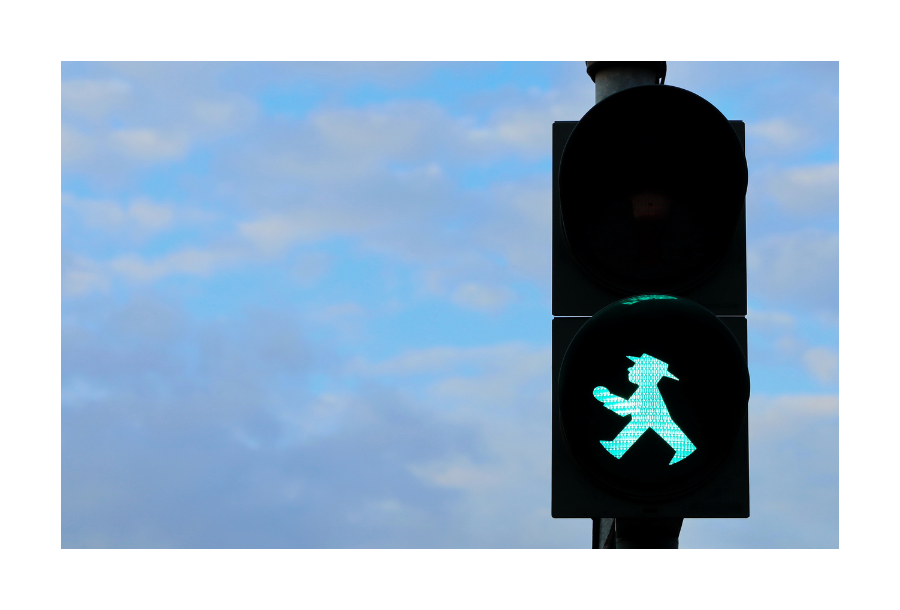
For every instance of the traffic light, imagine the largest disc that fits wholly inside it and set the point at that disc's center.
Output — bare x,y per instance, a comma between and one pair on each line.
650,378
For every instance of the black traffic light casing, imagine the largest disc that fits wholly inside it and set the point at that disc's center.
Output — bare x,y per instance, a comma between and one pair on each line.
723,290
575,495
579,292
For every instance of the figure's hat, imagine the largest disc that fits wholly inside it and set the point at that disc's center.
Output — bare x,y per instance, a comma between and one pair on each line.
650,362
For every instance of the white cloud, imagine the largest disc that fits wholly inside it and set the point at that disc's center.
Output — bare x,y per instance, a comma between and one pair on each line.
97,213
782,415
216,113
517,358
347,319
93,98
341,145
76,146
145,144
82,276
482,297
484,381
793,478
770,321
778,131
524,131
501,393
344,144
153,113
151,215
806,190
324,417
274,233
384,174
799,268
457,473
474,420
142,214
519,228
822,363
384,129
416,361
189,261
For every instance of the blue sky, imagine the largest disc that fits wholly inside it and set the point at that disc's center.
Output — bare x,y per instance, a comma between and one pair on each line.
307,304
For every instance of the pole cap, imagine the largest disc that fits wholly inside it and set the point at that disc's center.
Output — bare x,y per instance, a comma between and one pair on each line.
658,67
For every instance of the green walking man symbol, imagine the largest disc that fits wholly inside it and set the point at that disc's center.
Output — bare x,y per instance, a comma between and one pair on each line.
646,408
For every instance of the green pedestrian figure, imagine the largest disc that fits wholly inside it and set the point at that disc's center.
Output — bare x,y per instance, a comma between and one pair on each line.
646,408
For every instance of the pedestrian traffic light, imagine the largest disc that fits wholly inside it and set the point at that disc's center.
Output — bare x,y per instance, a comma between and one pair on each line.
660,363
649,197
650,378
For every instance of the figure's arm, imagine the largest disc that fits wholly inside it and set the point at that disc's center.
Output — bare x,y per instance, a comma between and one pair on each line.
614,403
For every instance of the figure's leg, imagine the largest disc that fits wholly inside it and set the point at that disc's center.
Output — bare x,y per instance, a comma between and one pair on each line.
625,439
672,434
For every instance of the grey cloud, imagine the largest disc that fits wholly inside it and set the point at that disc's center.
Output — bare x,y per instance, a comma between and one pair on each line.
180,433
217,443
153,363
203,488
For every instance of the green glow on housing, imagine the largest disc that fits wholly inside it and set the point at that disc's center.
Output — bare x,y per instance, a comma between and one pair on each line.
646,408
644,297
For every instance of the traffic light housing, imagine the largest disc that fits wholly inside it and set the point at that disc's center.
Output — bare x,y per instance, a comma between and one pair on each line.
649,225
645,143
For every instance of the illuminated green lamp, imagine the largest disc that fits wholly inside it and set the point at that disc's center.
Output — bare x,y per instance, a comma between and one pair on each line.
646,408
645,297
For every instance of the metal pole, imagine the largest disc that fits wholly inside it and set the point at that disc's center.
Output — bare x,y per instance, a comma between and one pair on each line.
648,533
612,76
603,533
